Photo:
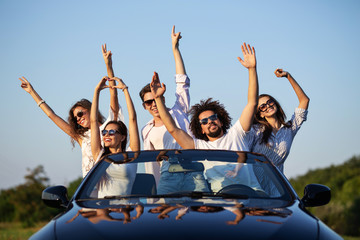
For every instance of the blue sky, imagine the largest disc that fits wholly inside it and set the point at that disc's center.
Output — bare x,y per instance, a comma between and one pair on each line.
56,45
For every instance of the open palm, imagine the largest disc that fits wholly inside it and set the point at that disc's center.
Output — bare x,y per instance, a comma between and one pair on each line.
249,59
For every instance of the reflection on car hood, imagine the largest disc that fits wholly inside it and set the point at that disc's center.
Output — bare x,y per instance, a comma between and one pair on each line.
213,220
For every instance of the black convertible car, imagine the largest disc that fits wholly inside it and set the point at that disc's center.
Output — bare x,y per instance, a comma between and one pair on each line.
200,194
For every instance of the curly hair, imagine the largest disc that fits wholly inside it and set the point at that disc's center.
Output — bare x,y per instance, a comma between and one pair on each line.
208,105
76,129
264,125
121,127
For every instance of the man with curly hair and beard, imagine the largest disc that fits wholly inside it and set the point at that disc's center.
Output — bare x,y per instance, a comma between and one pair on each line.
210,125
210,122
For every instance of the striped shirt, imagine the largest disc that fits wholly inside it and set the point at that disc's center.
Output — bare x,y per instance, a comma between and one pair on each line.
279,143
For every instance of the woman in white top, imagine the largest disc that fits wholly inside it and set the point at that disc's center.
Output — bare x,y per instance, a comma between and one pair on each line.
119,178
78,124
271,135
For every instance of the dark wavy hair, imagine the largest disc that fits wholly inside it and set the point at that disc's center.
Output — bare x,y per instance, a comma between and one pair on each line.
121,127
78,130
208,105
263,124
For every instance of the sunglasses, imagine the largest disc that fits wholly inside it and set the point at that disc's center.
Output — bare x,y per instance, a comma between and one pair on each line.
149,102
204,121
79,114
263,107
111,132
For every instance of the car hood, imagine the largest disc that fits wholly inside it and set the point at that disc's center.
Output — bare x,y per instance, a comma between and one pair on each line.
219,219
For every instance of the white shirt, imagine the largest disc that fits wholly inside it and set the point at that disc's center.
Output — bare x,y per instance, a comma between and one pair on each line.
87,158
234,139
279,143
179,112
215,172
216,175
118,180
160,138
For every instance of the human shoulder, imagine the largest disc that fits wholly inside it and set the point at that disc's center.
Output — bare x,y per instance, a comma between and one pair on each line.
236,129
148,125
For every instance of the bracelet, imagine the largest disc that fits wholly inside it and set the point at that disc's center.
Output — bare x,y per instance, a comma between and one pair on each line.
124,88
41,102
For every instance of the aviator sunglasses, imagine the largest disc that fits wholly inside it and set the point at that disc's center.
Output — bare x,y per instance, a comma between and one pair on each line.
111,132
149,102
263,107
204,121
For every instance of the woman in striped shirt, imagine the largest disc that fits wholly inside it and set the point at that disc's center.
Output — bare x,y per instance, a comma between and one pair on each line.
271,135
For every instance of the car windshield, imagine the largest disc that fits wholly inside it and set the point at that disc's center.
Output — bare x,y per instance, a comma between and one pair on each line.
184,173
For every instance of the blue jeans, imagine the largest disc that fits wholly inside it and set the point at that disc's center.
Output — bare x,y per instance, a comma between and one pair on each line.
177,182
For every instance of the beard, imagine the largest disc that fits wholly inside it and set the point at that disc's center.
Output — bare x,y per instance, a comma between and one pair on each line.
215,134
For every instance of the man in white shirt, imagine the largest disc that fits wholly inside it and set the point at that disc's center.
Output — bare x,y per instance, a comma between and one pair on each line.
154,133
210,122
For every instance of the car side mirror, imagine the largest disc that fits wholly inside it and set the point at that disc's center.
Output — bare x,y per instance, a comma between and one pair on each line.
316,195
55,197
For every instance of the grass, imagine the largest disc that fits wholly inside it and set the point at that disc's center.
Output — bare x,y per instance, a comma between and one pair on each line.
351,238
15,231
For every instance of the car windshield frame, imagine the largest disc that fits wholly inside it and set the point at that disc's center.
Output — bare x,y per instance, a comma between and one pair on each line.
258,161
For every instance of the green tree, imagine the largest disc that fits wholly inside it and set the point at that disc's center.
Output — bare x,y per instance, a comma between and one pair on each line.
23,203
73,186
343,212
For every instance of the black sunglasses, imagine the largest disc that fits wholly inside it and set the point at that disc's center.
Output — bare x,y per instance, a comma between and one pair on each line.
79,114
263,107
204,121
149,102
111,132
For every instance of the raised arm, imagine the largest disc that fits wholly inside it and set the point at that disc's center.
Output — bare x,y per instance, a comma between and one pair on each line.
114,103
133,126
249,62
303,98
181,137
182,81
94,120
61,123
179,63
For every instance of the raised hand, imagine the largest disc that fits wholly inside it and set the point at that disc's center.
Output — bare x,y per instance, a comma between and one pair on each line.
26,85
106,54
249,60
121,85
281,73
158,89
175,37
102,84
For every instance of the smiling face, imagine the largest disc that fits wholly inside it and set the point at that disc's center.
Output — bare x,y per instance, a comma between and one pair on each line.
113,139
150,105
82,117
268,105
213,128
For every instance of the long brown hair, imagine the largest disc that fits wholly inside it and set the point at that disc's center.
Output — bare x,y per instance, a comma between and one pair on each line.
121,127
208,105
78,130
263,124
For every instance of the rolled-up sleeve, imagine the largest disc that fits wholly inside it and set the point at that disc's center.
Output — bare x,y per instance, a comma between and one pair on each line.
182,93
